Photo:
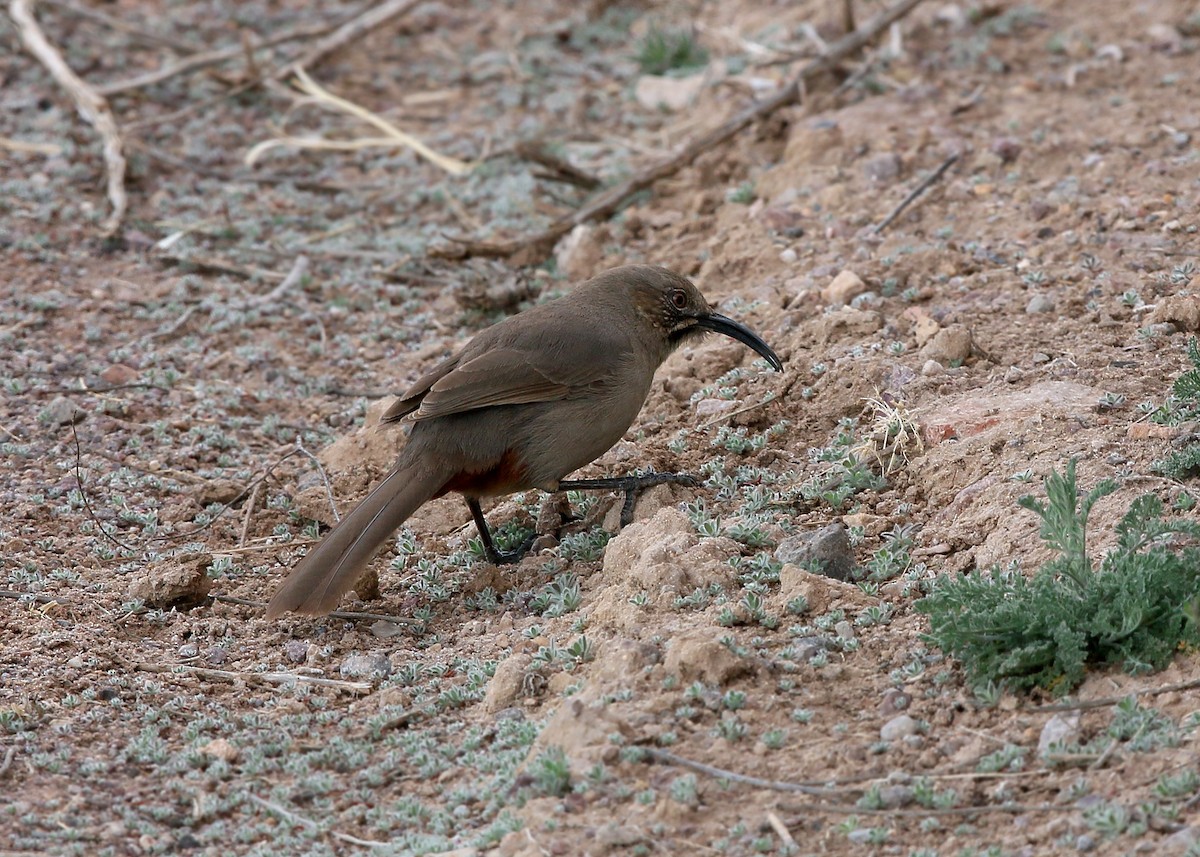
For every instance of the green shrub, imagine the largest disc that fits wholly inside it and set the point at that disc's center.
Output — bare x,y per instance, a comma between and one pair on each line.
1134,611
1181,406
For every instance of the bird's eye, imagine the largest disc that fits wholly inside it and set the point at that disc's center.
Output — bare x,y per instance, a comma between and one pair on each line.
679,299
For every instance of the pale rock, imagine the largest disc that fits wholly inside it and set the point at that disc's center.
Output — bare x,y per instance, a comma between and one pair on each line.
655,92
507,684
846,286
699,655
220,748
62,411
1183,311
663,558
849,322
826,551
949,346
581,726
712,407
899,727
1040,304
822,593
179,581
1059,730
370,666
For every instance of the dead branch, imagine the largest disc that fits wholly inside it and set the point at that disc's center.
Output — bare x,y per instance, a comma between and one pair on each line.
321,96
286,679
560,169
746,779
90,104
611,200
925,184
333,614
350,31
123,26
211,58
1085,704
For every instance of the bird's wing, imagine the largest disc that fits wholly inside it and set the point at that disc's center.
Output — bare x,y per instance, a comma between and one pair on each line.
532,357
413,396
501,376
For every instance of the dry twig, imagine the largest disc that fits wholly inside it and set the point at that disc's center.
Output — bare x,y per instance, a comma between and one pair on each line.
295,818
320,95
746,779
210,58
351,31
47,149
335,614
261,678
299,269
90,104
925,184
249,516
8,757
1104,702
114,23
611,200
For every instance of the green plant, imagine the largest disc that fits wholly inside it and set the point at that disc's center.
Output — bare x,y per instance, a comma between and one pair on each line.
1181,406
1046,630
551,772
669,50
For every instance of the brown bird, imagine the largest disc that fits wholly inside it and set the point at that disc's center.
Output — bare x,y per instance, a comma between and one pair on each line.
523,404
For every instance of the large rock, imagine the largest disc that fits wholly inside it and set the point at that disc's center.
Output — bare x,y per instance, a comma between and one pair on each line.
659,558
700,656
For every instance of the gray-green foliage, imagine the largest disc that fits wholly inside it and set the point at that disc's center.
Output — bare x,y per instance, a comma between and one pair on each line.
1132,611
666,50
1181,406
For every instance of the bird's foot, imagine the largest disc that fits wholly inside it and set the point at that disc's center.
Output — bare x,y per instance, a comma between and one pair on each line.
498,557
631,485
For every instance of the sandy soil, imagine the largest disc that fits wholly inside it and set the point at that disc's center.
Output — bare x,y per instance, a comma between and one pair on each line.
170,419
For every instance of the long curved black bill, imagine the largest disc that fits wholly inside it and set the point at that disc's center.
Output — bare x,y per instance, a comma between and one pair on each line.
722,324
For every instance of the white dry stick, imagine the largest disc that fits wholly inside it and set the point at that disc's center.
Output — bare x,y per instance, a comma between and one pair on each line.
91,106
327,99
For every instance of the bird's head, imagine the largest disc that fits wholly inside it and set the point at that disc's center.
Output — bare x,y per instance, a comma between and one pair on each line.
677,312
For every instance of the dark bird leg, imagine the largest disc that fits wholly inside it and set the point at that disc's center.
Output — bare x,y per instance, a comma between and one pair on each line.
631,485
494,555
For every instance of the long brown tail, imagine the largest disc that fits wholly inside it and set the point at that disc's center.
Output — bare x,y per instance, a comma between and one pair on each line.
331,569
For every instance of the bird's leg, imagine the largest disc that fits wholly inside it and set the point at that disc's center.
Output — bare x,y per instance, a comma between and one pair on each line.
493,554
631,485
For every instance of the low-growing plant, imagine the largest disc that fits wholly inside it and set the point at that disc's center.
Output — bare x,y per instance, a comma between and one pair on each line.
664,50
1182,405
1046,630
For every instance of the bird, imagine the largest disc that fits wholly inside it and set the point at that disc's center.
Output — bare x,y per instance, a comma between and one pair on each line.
522,405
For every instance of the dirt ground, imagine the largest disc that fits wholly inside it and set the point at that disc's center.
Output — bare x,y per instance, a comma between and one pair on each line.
173,405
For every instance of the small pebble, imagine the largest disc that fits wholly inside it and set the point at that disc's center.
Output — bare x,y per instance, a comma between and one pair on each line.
788,256
373,665
882,168
295,651
1040,303
894,797
898,727
62,411
1006,149
189,650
